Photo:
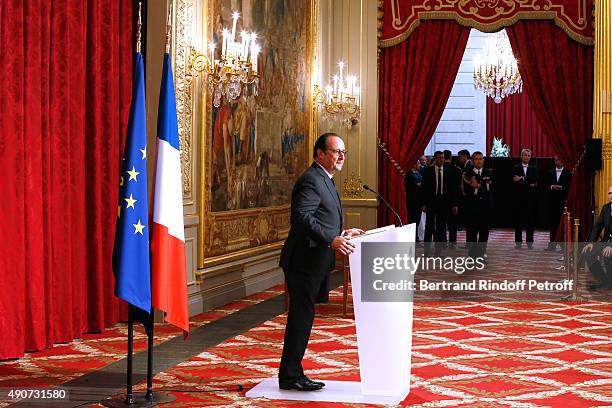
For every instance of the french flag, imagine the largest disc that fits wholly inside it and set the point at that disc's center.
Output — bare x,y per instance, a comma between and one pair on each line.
168,264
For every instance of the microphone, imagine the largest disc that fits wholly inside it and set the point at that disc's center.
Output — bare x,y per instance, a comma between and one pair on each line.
399,219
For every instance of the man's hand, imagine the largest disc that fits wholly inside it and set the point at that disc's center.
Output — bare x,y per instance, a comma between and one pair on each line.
516,179
607,252
343,245
587,248
353,232
455,210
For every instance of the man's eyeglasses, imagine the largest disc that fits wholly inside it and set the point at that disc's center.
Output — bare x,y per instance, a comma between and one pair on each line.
337,152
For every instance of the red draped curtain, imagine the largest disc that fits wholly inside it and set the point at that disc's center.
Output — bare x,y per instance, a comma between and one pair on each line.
514,120
65,91
557,75
415,80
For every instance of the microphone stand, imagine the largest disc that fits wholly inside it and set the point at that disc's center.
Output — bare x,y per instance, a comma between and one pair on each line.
399,219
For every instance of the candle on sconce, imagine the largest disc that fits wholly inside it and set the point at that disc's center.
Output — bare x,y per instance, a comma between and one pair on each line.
225,35
335,78
211,48
244,45
254,53
357,96
340,66
235,17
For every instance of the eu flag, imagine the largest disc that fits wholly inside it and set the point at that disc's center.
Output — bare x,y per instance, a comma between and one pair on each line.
131,264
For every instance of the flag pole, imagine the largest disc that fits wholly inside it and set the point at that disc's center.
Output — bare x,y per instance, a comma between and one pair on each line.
149,394
129,396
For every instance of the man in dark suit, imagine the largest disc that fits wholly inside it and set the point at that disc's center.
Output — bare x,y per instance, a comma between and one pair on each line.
557,185
525,180
476,186
602,248
413,182
308,257
463,157
453,218
439,199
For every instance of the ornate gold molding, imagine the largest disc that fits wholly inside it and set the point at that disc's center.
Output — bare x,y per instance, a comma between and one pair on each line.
353,187
183,20
606,150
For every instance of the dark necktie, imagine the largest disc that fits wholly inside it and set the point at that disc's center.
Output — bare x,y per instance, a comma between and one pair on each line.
439,192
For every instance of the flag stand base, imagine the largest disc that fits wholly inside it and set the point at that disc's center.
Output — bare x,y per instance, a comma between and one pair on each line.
138,400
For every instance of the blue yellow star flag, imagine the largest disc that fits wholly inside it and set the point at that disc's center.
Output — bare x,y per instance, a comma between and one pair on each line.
131,264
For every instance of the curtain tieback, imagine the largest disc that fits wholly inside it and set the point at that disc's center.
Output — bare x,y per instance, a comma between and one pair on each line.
394,162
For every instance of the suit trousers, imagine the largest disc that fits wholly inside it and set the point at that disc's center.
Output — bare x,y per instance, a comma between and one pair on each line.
594,262
477,226
555,211
304,280
435,225
524,218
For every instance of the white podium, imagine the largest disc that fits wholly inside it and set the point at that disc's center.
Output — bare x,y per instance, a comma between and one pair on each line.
384,341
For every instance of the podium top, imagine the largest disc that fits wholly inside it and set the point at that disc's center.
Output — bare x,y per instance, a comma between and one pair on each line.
375,231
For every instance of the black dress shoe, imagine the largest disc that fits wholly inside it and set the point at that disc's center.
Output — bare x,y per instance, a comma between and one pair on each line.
301,384
321,383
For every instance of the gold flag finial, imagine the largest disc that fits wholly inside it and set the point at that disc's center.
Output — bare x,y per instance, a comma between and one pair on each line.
169,29
139,29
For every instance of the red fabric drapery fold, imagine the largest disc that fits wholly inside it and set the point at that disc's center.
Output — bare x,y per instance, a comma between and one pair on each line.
415,81
514,120
557,74
64,97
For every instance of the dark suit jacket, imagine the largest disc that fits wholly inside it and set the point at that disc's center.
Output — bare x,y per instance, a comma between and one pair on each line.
564,181
483,193
413,190
604,223
316,219
450,185
526,185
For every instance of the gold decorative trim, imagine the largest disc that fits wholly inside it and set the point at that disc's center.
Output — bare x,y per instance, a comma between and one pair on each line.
606,150
182,22
353,187
488,28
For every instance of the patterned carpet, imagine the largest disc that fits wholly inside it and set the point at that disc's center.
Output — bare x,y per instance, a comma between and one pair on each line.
514,352
465,354
65,362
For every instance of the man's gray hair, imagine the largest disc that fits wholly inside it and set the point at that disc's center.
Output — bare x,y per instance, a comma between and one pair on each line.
526,151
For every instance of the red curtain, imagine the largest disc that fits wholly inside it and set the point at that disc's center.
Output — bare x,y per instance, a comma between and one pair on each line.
415,80
557,74
64,97
514,120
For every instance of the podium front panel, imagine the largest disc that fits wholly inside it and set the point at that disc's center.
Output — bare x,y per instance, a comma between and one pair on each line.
384,329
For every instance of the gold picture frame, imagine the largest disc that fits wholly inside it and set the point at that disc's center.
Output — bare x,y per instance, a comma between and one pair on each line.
231,234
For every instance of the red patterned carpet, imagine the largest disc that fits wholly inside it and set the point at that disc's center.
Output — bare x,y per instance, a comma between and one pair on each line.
523,353
65,362
464,354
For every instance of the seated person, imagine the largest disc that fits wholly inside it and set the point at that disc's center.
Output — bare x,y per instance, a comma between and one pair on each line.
603,247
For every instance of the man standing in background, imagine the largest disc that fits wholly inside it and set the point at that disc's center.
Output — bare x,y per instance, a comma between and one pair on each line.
557,186
525,179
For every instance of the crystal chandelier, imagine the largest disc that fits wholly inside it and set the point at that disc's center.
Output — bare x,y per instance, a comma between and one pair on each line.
232,72
340,101
496,71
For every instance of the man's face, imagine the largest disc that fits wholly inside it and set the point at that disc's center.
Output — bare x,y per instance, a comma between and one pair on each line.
333,157
610,194
478,161
525,157
462,159
439,159
558,163
423,161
